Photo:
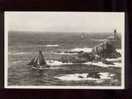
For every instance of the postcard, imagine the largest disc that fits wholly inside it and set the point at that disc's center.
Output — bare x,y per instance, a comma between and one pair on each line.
64,50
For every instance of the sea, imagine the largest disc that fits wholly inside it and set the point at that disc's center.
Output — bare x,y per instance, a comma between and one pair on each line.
23,46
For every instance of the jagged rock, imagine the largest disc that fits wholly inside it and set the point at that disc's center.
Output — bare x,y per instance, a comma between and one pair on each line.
106,50
80,76
98,53
87,56
93,74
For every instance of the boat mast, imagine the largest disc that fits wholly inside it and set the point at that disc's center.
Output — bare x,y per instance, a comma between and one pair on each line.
38,60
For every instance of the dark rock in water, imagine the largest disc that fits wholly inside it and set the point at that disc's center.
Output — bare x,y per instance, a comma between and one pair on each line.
106,50
86,56
80,76
79,58
89,56
93,74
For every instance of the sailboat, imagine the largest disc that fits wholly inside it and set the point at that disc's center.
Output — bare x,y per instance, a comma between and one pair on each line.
38,62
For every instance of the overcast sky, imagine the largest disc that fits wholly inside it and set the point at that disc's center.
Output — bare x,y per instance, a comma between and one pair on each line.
64,21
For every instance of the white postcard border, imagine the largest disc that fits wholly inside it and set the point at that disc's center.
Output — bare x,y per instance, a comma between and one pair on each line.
60,87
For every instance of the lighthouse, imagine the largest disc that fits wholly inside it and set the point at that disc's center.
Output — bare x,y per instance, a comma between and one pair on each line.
115,34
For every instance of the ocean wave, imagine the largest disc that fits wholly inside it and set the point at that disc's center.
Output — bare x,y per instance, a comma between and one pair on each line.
119,51
114,59
84,76
81,49
49,45
101,64
106,75
18,53
65,53
118,65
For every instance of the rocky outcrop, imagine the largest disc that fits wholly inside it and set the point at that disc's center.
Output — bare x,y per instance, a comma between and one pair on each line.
80,58
72,59
106,50
98,53
89,56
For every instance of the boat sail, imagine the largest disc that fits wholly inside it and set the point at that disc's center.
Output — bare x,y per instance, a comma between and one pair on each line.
38,62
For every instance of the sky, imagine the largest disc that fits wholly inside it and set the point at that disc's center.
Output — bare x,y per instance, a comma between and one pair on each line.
64,21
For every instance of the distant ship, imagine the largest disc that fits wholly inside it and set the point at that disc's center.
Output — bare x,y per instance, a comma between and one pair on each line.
38,62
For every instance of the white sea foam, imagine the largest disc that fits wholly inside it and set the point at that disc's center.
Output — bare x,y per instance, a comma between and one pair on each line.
119,50
105,75
58,63
97,64
89,50
63,53
101,64
81,49
75,77
83,76
114,59
49,45
118,65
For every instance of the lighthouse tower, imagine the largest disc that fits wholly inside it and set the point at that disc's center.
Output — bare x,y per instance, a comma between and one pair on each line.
115,34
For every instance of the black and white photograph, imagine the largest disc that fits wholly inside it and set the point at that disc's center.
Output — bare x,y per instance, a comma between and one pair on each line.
64,50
